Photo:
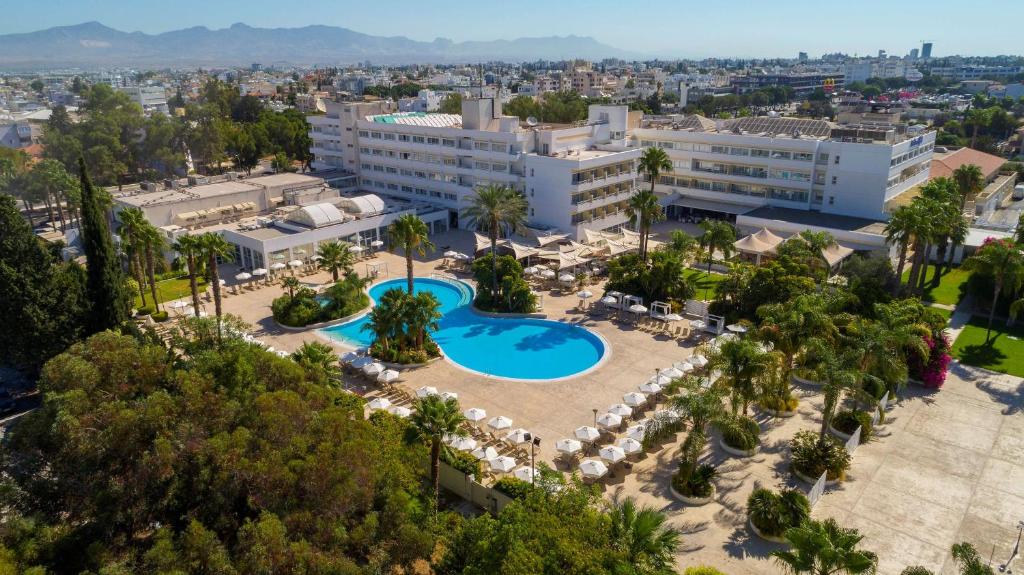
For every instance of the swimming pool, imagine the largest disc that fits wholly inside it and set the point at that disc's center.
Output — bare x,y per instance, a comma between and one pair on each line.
513,348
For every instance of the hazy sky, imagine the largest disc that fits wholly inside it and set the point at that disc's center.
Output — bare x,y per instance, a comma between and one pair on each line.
683,28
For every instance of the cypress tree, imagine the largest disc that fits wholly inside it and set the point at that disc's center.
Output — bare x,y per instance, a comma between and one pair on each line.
105,281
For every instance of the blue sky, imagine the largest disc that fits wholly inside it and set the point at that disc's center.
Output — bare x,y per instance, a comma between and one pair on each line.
683,28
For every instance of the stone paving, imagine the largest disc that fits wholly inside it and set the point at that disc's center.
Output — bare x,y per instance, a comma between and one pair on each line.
948,466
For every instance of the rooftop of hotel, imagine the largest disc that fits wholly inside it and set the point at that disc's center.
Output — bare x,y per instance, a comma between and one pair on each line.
217,186
433,120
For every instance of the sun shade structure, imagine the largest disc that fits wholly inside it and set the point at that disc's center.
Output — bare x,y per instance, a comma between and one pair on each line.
316,216
379,403
621,409
503,464
499,422
367,204
525,474
426,391
593,469
482,453
612,453
474,414
759,244
463,443
587,433
609,420
569,446
634,399
836,253
374,369
518,435
630,445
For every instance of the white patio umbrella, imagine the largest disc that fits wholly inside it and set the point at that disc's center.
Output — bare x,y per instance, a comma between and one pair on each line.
474,414
499,422
317,257
502,464
446,395
463,443
637,431
634,399
482,453
387,376
357,249
259,272
593,469
376,243
379,403
683,366
400,411
348,357
614,293
630,445
526,474
621,409
450,254
244,276
609,300
672,372
698,361
637,309
612,453
178,304
736,328
569,446
566,278
426,391
547,274
530,270
660,379
585,294
373,369
277,266
295,264
609,420
518,435
587,433
361,361
649,387
673,317
222,282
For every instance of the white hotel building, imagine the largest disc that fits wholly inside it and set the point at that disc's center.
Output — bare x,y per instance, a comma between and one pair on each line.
783,173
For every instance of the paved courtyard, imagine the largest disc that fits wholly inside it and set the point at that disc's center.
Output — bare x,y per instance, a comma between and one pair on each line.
948,466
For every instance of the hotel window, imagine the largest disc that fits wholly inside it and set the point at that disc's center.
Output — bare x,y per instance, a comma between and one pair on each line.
451,197
418,139
450,161
420,174
702,148
375,135
391,170
803,157
780,155
758,153
837,159
434,141
481,146
647,143
407,189
393,187
739,152
666,145
389,153
364,150
835,180
366,166
448,143
499,167
407,173
403,137
497,147
481,165
377,152
823,158
719,150
389,136
364,134
378,168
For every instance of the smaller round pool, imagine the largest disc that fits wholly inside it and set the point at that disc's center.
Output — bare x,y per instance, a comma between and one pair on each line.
512,348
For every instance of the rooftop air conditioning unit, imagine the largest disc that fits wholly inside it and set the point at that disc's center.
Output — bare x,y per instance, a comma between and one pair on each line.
150,186
171,184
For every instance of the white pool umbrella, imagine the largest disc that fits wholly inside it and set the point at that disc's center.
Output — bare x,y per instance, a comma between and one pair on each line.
277,266
566,278
450,254
463,443
569,446
373,369
736,328
630,445
672,373
474,414
400,411
295,264
446,395
593,469
502,464
609,300
660,379
376,243
387,376
178,304
357,249
499,422
612,453
379,403
609,420
348,357
482,453
244,276
426,391
530,270
637,431
587,433
317,257
637,309
683,366
526,474
259,272
649,387
518,435
547,274
699,361
585,294
634,399
361,361
222,282
621,409
673,317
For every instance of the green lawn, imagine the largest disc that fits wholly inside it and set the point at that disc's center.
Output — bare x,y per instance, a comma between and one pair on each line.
1005,353
947,313
701,281
948,290
169,290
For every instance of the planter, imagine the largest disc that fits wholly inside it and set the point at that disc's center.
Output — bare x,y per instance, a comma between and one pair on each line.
534,315
738,452
841,435
390,365
804,381
694,501
810,481
772,538
323,324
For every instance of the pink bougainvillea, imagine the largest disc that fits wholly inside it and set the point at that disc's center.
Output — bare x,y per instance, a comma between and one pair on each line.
931,370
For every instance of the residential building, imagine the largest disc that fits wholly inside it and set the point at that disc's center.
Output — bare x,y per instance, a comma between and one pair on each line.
425,101
926,50
152,99
802,83
961,73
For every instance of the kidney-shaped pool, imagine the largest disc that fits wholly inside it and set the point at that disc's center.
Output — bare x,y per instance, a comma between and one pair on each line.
513,348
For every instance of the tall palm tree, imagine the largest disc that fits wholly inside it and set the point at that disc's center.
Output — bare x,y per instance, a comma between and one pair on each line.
699,407
189,248
335,257
717,236
152,246
924,231
642,535
290,283
386,319
433,419
495,208
422,313
740,361
317,357
411,235
835,369
824,548
899,231
969,183
214,246
132,221
1003,260
645,211
653,162
789,325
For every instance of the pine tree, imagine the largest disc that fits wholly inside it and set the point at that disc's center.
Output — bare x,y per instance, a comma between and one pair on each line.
105,281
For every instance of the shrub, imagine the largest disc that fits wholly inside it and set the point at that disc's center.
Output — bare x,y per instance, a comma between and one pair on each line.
780,403
773,513
847,421
702,570
812,456
514,294
695,483
741,433
916,570
513,487
462,461
407,356
874,387
342,299
159,316
931,369
145,310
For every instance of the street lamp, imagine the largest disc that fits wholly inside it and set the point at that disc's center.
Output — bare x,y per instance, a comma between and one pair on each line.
1008,566
534,442
595,417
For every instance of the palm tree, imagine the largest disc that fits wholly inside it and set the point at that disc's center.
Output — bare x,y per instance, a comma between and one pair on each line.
411,234
824,548
900,231
883,344
214,246
433,419
969,182
641,534
188,247
386,319
717,236
699,407
496,207
152,244
132,221
317,357
335,257
788,325
653,162
740,361
644,212
290,283
422,312
1002,260
928,211
836,372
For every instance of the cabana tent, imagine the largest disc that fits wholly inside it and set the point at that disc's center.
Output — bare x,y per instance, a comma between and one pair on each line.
758,244
835,254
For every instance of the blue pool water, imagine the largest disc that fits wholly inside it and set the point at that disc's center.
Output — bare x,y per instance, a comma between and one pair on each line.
504,347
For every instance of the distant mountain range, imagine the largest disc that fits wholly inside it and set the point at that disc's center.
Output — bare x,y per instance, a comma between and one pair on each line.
93,45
